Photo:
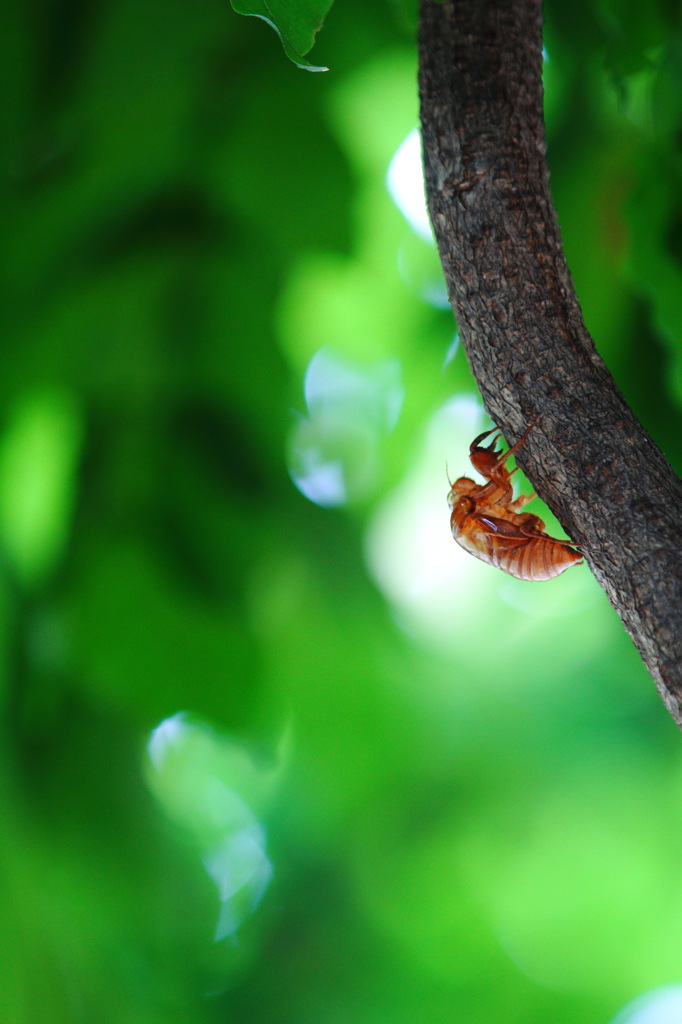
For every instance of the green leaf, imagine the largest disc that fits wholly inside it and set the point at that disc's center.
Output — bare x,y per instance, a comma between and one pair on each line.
296,24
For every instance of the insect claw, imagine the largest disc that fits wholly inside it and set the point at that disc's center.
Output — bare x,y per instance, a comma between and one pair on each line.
486,433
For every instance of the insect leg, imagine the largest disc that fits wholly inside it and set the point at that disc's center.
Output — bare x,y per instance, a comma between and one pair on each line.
523,499
485,460
486,433
515,447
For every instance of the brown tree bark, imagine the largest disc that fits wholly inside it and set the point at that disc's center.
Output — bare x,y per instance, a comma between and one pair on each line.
488,193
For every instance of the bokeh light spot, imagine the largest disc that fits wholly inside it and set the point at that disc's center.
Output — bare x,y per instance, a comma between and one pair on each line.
39,455
334,450
662,1006
209,785
405,183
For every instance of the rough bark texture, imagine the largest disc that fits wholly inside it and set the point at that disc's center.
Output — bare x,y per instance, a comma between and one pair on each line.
520,322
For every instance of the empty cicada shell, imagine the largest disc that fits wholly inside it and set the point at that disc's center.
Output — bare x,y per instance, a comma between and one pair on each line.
487,520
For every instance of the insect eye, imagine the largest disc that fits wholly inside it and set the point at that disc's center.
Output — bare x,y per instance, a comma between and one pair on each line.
457,489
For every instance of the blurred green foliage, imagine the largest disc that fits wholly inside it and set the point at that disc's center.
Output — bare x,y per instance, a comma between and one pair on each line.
266,758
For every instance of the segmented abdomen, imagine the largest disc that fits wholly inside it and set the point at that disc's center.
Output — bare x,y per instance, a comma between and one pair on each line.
526,558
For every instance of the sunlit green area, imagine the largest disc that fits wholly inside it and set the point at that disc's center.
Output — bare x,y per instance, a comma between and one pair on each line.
274,749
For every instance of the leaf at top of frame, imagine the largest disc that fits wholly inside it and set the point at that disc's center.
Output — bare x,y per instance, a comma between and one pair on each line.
296,23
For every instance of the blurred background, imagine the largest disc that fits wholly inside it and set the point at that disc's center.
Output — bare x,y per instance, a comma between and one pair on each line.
273,748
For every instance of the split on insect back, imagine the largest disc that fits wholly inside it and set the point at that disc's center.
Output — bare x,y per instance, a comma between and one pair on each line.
487,520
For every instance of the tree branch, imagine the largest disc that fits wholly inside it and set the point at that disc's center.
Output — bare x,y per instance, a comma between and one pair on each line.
520,322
